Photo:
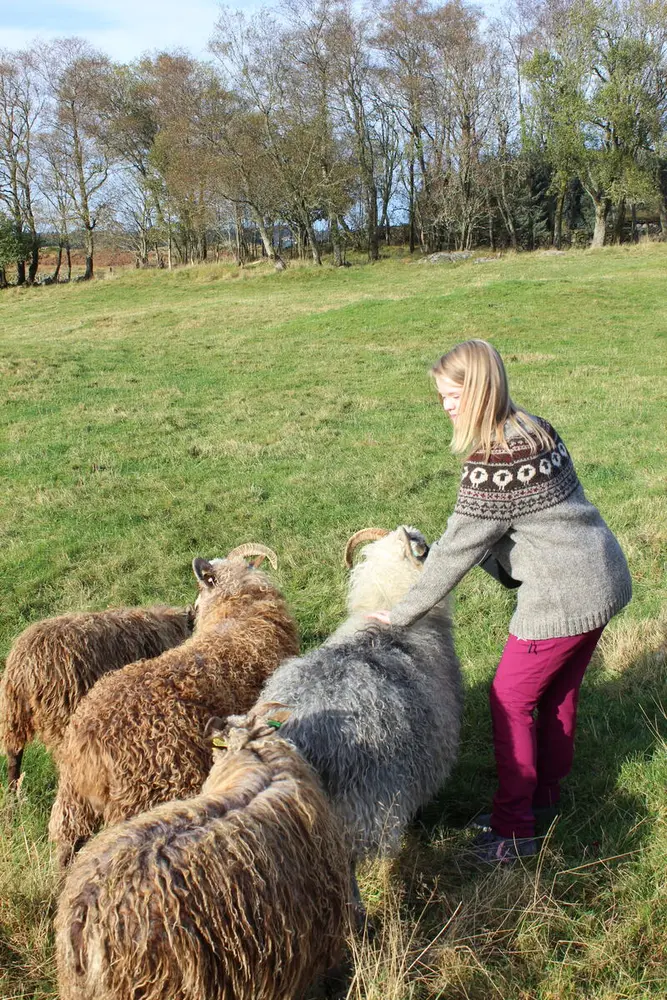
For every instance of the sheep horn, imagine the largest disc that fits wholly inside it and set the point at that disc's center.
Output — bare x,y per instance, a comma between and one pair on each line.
365,535
254,549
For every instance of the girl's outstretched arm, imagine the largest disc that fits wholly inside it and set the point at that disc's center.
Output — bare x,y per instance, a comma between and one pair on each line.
464,543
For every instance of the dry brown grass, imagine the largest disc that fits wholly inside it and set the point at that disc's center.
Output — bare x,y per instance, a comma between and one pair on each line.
30,885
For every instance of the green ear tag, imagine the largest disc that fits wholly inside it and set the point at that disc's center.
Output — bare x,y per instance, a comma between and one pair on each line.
219,742
273,723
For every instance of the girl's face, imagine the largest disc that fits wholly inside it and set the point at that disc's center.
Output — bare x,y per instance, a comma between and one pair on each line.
450,393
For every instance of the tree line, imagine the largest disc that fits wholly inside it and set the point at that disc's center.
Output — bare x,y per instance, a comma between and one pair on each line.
317,127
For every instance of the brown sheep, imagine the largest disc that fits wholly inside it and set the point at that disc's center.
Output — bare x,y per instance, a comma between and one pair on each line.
55,662
237,894
138,738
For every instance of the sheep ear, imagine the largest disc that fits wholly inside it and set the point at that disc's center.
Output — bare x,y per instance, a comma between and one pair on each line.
204,572
214,726
215,732
419,548
407,547
415,548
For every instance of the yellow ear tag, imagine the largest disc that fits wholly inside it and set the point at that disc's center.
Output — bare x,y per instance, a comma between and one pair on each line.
219,742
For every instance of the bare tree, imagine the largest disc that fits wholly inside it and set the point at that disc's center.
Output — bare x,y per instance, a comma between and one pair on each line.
260,58
72,70
20,106
56,182
355,76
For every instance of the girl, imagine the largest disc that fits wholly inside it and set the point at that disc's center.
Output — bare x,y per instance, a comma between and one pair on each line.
520,502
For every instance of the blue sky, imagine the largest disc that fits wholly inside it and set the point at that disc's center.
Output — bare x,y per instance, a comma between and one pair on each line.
124,29
47,15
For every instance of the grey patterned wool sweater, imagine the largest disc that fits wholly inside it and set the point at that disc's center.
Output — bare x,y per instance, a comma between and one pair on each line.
530,512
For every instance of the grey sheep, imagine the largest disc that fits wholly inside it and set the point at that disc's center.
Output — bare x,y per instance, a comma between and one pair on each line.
239,893
377,711
137,739
55,662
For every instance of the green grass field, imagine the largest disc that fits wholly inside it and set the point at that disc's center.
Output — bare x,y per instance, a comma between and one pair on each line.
152,417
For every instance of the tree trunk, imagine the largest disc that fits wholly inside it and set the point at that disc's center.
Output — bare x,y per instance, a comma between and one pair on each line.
237,232
3,278
602,207
372,221
662,184
619,221
506,211
558,218
20,272
314,248
34,260
267,242
143,250
83,205
69,262
59,260
514,243
88,273
411,206
335,241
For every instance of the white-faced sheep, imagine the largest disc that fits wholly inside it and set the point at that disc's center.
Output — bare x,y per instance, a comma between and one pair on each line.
376,710
239,893
138,738
55,662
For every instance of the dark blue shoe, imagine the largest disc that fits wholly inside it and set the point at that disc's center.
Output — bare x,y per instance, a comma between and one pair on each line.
544,817
492,848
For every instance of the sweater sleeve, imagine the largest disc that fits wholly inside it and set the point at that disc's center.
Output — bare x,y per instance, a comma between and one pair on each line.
461,547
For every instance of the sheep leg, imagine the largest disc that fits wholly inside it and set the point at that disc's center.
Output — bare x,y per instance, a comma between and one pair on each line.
360,921
334,984
72,822
13,769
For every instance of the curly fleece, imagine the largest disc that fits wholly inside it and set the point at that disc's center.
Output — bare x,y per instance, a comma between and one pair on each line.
138,738
239,893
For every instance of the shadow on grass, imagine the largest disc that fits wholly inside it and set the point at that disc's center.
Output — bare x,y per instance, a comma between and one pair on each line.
619,720
541,927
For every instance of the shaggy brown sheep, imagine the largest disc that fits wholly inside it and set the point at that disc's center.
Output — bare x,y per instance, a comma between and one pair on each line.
55,662
137,739
237,894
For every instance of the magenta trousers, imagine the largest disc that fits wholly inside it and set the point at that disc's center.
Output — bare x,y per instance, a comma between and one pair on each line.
534,712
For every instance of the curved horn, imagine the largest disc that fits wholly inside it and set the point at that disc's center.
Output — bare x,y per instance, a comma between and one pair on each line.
365,535
254,549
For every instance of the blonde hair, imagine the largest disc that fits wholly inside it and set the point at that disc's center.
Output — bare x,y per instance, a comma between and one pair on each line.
486,405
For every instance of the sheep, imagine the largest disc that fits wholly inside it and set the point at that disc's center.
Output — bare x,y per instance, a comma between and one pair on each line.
55,662
137,739
240,893
376,710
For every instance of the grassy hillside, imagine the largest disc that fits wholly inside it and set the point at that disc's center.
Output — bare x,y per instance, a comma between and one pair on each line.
152,417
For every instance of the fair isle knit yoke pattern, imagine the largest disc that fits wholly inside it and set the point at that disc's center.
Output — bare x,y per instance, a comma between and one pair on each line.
530,512
510,484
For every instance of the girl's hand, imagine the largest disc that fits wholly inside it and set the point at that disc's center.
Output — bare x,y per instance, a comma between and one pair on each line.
379,616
